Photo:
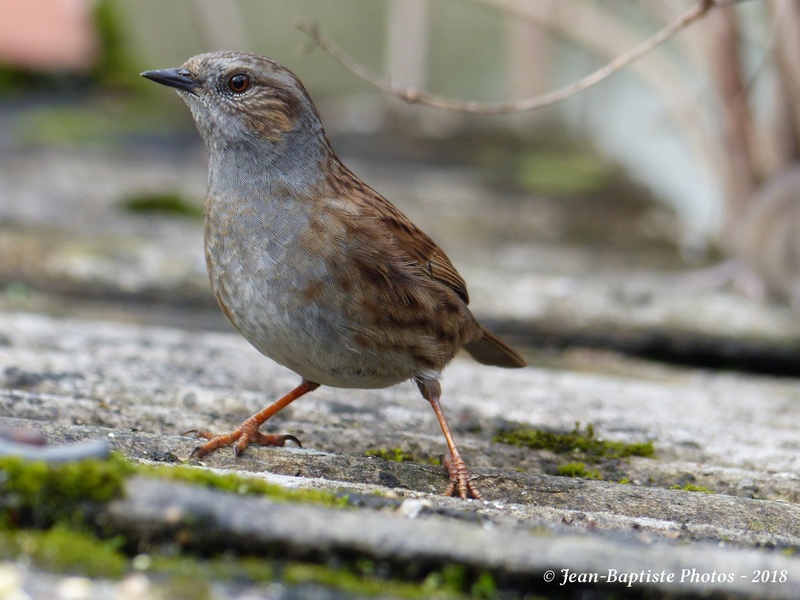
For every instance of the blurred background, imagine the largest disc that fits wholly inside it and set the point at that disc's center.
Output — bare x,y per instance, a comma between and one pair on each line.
652,213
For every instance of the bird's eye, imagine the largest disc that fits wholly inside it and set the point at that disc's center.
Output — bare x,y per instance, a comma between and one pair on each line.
239,83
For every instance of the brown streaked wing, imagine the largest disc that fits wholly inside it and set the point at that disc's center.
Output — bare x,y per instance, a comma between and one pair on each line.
410,239
416,243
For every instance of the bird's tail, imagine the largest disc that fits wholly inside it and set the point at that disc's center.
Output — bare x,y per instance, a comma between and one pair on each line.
491,350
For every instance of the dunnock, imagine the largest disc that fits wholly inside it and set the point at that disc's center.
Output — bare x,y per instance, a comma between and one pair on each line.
314,268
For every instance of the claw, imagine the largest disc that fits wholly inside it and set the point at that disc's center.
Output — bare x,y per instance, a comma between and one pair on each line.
247,433
286,437
460,479
456,469
199,433
239,439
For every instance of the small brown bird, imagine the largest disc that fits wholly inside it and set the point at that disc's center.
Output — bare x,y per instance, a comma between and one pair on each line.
317,270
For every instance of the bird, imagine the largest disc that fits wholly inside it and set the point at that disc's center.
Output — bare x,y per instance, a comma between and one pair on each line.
318,271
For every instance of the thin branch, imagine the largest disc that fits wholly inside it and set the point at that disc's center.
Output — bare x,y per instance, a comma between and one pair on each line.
494,108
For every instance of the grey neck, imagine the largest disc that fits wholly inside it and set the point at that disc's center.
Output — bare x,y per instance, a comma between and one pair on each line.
250,164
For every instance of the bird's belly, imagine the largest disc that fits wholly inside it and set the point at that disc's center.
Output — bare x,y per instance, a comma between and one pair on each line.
293,318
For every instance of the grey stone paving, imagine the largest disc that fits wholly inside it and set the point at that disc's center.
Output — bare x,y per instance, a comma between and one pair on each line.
140,386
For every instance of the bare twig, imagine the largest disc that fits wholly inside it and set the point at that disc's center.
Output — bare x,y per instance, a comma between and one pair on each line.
493,108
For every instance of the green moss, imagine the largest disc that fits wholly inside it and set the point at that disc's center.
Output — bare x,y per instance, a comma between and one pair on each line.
245,568
357,577
761,526
452,581
63,541
391,454
14,79
562,174
237,484
484,586
166,203
691,487
65,549
41,493
17,292
400,455
97,121
577,469
452,578
579,442
189,577
347,581
455,579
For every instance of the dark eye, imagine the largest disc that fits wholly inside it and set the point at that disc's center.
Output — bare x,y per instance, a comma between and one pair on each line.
239,83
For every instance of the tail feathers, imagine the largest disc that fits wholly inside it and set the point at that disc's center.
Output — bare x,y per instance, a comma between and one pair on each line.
491,350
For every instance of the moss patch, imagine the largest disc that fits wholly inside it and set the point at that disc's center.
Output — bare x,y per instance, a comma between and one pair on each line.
359,583
41,494
400,455
48,516
692,487
65,549
236,484
563,174
577,469
358,577
579,447
391,454
165,204
583,443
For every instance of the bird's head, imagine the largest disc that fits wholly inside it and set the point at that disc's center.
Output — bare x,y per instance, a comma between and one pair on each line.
237,97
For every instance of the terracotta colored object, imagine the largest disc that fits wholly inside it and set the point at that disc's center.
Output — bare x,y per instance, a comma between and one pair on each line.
47,34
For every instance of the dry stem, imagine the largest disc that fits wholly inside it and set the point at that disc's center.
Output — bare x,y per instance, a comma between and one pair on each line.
493,108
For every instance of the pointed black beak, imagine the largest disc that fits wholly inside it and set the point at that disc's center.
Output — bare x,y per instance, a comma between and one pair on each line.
178,78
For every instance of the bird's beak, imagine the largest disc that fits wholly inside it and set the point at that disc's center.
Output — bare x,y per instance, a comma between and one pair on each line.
178,78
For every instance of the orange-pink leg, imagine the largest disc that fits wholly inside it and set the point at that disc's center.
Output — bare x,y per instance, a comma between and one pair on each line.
456,467
247,433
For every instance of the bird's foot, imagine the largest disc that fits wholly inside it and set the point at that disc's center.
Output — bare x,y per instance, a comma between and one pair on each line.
240,438
460,480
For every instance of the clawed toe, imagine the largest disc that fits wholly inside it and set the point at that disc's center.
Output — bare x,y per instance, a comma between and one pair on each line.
275,440
460,480
199,433
239,439
463,488
247,433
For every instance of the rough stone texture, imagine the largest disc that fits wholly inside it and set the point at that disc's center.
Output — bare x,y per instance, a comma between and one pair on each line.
139,386
274,528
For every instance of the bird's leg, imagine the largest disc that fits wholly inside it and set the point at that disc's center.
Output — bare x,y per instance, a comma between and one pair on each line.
460,482
247,433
